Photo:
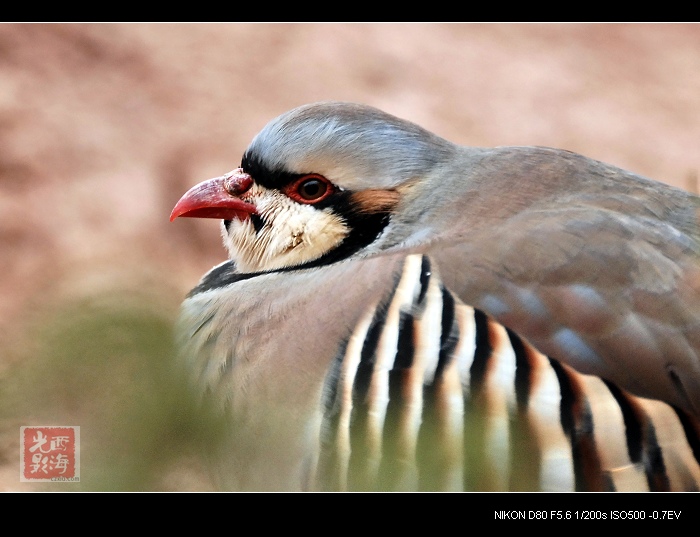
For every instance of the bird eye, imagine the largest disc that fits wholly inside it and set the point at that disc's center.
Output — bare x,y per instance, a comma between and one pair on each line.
312,189
309,189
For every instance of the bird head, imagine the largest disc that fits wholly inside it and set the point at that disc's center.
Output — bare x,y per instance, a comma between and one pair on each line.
318,184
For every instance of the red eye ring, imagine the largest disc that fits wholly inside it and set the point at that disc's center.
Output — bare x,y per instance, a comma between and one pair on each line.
309,189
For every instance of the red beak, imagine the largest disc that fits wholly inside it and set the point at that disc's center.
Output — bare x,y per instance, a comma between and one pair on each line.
217,198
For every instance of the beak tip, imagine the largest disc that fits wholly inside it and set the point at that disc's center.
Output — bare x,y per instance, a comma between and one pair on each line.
175,212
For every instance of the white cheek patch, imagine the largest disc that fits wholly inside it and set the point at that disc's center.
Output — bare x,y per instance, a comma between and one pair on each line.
292,233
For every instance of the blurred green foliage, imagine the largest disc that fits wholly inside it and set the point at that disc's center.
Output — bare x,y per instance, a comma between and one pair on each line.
108,365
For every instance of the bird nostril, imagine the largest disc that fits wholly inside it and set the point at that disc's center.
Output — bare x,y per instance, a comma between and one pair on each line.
237,182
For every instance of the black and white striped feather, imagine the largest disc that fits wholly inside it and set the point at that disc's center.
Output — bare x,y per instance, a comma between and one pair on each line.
428,393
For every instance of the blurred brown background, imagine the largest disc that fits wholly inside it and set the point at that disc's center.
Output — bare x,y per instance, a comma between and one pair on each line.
104,126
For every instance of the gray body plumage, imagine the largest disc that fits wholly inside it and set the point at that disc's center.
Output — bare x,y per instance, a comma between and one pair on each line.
528,234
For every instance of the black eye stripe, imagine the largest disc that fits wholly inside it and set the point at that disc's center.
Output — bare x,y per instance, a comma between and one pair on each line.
270,178
264,176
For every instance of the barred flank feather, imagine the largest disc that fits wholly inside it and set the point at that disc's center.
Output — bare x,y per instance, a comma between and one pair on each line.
431,394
